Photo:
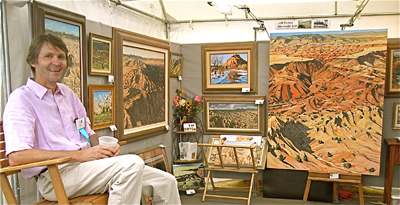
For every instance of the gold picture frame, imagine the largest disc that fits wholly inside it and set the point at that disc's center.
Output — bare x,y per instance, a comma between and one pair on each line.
260,154
142,85
230,114
392,84
176,65
101,106
396,115
100,55
229,68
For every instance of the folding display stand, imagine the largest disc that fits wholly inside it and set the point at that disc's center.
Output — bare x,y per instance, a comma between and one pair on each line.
234,168
327,176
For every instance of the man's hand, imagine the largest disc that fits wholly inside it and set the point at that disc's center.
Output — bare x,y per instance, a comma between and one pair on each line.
99,152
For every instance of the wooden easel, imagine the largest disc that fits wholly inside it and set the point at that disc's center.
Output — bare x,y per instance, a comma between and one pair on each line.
236,168
335,177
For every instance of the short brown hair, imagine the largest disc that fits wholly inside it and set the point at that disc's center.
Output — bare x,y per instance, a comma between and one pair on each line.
36,45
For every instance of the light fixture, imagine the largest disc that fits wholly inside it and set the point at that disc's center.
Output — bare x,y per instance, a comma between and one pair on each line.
224,9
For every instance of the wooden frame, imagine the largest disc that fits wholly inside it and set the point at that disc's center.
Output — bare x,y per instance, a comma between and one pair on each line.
240,74
176,65
217,109
143,110
100,55
74,35
102,113
392,87
396,115
238,168
260,154
155,156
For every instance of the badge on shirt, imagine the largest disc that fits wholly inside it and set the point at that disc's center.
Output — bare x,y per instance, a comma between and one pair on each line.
80,123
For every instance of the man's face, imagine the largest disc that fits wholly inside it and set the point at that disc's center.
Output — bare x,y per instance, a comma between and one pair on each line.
50,66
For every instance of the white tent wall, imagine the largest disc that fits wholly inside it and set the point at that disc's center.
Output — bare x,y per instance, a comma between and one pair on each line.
102,16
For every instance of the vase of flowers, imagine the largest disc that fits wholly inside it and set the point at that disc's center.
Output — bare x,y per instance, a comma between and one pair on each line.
186,108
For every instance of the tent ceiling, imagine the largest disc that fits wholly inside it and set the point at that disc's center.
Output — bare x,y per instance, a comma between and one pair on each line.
184,11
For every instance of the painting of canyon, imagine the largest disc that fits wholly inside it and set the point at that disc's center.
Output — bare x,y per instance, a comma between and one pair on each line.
143,87
326,93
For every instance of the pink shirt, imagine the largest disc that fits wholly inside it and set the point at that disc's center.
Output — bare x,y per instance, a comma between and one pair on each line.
34,118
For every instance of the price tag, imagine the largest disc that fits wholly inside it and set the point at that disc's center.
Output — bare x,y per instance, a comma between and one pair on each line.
334,176
259,102
190,191
245,90
167,127
113,128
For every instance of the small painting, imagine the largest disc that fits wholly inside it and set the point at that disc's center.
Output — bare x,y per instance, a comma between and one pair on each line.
100,55
101,105
176,65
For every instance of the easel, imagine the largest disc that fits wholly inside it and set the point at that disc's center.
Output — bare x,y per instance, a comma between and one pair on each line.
336,178
236,168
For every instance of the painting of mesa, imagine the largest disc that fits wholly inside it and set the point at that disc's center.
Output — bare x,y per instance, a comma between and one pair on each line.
326,93
143,87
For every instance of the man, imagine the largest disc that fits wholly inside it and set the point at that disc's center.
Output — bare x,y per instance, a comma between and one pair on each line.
40,124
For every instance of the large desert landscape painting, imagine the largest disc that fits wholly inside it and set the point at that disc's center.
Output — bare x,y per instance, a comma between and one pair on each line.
326,93
143,87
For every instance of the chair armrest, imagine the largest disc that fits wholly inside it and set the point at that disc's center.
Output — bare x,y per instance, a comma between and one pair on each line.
35,164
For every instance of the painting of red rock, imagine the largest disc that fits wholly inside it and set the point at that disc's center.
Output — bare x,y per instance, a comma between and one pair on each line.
326,93
229,68
143,87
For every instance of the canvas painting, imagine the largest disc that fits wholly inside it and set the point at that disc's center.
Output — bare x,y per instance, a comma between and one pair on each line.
70,34
176,65
326,93
228,68
144,84
189,176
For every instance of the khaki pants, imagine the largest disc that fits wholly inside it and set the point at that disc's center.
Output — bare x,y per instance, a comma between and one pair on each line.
124,177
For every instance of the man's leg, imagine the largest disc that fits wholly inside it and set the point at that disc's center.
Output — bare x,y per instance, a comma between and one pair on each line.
122,176
161,185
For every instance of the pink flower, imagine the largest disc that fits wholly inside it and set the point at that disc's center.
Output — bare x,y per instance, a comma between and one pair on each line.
197,99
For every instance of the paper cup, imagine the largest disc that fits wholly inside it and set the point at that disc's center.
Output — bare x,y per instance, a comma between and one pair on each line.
108,140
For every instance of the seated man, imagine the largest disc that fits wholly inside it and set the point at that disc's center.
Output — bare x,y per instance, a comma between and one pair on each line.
39,124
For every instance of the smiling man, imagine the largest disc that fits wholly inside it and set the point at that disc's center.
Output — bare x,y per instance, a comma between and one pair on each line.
39,124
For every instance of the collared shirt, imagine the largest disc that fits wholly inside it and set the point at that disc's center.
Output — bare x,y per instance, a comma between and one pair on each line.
34,118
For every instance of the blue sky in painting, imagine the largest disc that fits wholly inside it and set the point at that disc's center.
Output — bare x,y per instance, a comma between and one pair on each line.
61,26
100,95
328,32
176,57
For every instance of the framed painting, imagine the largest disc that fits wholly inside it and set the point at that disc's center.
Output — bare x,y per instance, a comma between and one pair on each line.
142,85
259,154
243,115
101,106
396,115
155,156
100,55
392,88
71,28
229,68
176,65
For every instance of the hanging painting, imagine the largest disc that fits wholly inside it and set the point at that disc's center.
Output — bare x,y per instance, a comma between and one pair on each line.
176,65
101,106
100,55
393,69
70,27
142,85
326,92
229,68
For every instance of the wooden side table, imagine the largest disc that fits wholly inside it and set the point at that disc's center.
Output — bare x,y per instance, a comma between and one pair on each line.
392,158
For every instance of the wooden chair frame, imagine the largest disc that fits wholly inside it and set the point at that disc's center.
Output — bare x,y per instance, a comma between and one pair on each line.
237,168
54,172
